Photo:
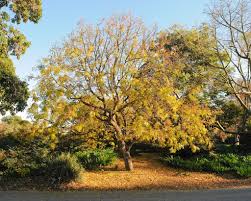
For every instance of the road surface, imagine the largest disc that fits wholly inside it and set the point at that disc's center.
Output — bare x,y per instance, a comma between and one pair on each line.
205,195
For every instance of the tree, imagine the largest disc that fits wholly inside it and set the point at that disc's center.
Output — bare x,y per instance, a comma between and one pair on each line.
231,23
14,93
97,67
14,43
114,78
16,126
180,93
194,52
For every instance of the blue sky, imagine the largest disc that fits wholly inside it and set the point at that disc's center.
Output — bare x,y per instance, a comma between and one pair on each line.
61,16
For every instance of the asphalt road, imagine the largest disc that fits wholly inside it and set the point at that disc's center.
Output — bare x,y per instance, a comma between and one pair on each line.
205,195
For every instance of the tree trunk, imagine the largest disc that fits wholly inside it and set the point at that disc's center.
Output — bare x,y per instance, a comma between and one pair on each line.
125,150
128,161
127,156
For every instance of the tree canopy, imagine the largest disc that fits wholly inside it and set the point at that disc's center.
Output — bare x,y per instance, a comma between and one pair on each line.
231,23
14,92
129,84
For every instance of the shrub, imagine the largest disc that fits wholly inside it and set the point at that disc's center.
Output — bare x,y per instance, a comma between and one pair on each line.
9,141
23,160
243,170
219,163
96,159
64,167
16,167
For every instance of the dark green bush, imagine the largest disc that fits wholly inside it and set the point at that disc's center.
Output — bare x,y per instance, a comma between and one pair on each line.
8,141
244,170
23,160
64,167
18,167
219,163
96,159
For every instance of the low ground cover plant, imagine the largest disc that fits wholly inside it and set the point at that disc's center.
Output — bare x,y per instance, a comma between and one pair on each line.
95,159
219,163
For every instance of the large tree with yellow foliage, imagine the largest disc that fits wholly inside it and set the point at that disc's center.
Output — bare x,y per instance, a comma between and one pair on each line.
116,79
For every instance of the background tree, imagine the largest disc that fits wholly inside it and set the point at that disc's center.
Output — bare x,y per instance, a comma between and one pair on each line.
231,22
16,126
14,93
14,43
194,52
180,93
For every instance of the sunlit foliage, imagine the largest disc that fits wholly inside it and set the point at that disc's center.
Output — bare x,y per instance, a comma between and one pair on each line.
119,80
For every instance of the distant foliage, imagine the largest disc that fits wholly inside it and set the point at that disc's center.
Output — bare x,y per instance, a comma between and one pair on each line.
96,159
230,117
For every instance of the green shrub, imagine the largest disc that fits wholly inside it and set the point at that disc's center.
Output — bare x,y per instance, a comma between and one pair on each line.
96,159
64,167
243,170
9,141
219,163
23,160
18,167
244,167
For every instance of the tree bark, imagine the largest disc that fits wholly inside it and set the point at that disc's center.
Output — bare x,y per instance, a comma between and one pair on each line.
124,148
127,156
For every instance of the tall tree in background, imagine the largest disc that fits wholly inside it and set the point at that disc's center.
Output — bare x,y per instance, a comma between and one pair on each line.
231,21
182,86
195,53
13,91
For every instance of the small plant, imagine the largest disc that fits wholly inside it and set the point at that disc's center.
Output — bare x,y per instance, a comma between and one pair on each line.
64,167
96,159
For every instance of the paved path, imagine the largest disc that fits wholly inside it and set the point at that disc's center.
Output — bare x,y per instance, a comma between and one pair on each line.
210,195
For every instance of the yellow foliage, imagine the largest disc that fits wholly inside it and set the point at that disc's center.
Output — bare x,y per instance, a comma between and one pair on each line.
132,89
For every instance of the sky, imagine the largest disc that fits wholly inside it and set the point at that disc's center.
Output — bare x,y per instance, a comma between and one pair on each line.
61,16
